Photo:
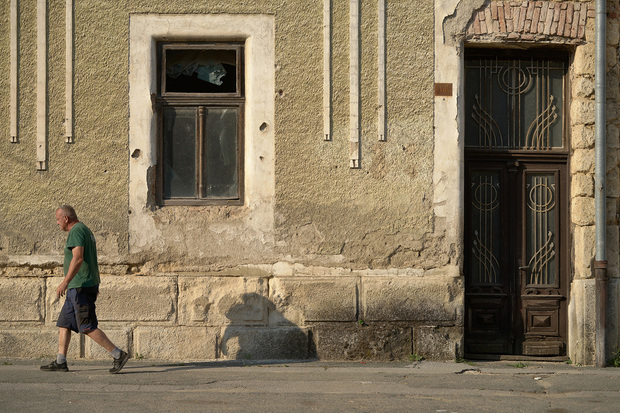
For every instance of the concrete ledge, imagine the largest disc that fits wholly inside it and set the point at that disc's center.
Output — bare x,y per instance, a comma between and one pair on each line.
583,250
222,300
613,316
21,299
582,321
124,298
53,304
175,343
132,298
354,342
282,343
412,299
300,300
35,343
438,343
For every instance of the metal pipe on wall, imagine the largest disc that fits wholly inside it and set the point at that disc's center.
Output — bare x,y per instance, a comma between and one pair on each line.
600,263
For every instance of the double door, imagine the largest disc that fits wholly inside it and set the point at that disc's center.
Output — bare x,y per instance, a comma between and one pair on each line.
516,261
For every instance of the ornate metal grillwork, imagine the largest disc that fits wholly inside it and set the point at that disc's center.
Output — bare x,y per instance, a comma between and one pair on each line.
514,104
485,211
541,228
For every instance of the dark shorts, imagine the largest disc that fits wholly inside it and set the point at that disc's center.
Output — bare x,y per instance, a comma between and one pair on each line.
78,312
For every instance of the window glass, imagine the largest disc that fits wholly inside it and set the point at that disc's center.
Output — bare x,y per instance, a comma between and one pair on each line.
201,71
514,104
541,229
221,153
179,125
484,219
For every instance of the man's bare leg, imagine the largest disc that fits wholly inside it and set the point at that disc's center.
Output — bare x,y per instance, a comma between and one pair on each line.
100,338
64,338
120,357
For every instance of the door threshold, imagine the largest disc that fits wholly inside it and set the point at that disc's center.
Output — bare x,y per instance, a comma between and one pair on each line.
515,357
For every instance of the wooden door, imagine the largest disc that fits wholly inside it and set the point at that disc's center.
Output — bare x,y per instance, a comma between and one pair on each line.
516,194
542,262
490,288
516,261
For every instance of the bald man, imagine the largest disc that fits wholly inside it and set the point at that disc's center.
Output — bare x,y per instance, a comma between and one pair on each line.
81,287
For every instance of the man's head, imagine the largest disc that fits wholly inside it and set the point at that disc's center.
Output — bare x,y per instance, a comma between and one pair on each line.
66,217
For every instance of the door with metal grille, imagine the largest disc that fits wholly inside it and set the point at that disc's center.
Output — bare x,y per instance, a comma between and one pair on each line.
516,228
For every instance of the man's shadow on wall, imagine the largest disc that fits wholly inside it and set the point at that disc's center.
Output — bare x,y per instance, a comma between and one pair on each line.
257,331
257,334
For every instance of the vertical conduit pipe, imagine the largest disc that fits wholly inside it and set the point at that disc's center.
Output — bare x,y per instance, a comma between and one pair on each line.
600,263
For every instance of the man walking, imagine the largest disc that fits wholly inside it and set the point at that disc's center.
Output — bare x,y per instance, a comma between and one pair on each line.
81,286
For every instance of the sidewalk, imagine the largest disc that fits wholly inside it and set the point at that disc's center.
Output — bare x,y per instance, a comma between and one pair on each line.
145,386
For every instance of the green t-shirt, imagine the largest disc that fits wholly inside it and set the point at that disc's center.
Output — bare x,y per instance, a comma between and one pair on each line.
88,274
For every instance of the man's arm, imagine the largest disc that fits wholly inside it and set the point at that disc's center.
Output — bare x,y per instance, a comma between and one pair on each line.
74,267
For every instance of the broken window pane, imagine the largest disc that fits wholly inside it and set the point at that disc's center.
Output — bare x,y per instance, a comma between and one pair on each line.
201,71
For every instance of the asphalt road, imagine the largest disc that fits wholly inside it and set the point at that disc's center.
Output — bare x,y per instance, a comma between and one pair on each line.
145,386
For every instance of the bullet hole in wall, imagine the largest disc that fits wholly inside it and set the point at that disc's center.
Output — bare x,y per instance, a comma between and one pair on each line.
136,154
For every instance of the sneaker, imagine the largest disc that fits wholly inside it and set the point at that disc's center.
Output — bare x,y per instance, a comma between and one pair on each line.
119,363
53,366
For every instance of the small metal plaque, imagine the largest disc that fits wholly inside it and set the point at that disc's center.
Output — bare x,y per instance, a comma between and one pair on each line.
443,89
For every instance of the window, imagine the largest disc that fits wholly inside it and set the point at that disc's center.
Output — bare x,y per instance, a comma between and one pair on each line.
515,101
200,123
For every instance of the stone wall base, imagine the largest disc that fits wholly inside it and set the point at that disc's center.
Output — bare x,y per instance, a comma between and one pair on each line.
349,341
387,342
582,322
364,316
34,342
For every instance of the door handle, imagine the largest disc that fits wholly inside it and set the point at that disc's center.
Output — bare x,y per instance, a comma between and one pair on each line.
525,267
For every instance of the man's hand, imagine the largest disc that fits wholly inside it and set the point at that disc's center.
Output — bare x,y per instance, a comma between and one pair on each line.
62,289
74,267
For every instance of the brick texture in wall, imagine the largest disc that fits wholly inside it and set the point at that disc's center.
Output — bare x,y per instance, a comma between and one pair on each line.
531,20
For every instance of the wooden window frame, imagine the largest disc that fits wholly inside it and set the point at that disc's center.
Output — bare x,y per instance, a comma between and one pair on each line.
201,101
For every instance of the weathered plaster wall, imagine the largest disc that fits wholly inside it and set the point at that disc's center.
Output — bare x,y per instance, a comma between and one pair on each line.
320,202
321,260
90,174
379,215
